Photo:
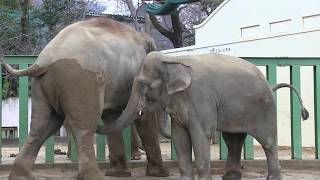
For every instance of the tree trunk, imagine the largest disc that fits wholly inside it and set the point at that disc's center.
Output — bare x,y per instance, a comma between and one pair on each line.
24,25
133,13
175,36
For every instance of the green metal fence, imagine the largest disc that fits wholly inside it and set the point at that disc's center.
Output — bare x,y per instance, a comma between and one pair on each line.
271,67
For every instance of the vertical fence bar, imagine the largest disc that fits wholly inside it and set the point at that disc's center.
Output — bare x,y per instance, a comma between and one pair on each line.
126,133
23,107
223,148
50,150
73,149
173,151
248,148
271,73
101,145
0,113
295,114
316,71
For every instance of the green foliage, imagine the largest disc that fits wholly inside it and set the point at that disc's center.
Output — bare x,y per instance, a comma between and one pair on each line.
5,88
10,4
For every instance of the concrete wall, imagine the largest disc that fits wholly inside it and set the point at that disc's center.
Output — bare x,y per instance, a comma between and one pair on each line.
10,114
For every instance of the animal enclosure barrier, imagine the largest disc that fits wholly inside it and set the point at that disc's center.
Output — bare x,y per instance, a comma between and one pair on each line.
271,73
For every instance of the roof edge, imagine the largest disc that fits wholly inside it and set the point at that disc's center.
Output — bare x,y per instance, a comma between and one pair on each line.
211,15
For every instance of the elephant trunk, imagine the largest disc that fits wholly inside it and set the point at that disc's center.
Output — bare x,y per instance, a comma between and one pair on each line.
129,114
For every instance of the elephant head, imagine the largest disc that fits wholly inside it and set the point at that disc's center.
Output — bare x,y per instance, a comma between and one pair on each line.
159,78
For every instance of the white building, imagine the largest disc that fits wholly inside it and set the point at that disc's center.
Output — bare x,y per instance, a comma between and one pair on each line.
266,28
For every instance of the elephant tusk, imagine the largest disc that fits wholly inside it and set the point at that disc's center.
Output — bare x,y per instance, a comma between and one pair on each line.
140,113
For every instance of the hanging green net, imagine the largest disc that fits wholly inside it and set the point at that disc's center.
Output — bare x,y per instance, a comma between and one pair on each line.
167,7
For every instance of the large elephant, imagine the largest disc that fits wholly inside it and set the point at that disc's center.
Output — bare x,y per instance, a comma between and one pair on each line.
202,94
86,73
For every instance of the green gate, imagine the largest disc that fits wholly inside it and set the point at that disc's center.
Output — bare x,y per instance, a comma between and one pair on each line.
271,66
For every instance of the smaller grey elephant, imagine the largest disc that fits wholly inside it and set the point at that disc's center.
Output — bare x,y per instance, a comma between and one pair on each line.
202,94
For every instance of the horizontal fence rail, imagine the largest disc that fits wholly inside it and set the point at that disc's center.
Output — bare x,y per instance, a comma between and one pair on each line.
271,65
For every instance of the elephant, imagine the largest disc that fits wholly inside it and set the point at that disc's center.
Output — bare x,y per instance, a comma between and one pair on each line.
204,93
83,74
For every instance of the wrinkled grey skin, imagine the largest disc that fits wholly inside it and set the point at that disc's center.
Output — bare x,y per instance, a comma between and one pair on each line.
86,73
202,94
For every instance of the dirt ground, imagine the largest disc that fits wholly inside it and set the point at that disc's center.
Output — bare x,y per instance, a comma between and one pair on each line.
284,153
138,173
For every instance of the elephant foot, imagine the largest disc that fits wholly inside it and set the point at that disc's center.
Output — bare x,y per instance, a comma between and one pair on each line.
19,172
186,177
157,171
15,176
274,177
115,172
232,175
97,176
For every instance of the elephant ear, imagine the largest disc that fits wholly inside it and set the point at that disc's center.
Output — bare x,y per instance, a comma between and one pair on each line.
149,44
178,78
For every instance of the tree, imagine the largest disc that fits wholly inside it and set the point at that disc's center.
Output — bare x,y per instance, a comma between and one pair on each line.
180,31
55,15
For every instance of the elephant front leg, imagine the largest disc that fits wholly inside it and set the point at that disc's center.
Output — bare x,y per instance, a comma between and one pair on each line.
148,131
118,163
201,147
182,142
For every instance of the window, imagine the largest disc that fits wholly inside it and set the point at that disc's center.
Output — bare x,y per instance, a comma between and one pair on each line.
250,31
280,26
311,21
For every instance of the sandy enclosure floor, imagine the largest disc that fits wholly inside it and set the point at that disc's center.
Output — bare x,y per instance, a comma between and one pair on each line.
284,153
138,174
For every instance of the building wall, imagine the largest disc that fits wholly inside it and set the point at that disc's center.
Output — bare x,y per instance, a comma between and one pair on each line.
238,20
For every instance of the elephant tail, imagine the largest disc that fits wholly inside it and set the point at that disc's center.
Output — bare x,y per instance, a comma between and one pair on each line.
34,70
304,111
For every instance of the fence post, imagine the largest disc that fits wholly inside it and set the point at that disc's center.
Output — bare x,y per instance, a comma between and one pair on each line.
74,150
23,107
50,150
295,114
1,113
101,145
126,133
316,71
272,78
223,148
173,151
248,148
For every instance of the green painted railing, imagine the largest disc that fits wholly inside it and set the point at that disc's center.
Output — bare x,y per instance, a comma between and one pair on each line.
271,66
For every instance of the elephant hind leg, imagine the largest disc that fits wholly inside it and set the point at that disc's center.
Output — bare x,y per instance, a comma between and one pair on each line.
45,122
274,168
234,142
269,145
88,169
